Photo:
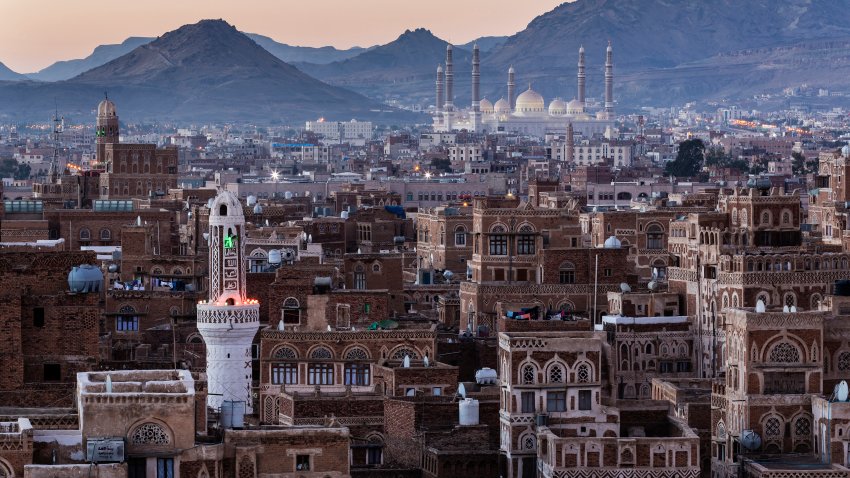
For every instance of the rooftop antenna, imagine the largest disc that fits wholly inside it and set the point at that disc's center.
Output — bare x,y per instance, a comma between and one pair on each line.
57,130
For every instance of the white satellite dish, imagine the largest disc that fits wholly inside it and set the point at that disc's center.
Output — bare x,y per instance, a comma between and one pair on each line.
425,361
841,391
750,440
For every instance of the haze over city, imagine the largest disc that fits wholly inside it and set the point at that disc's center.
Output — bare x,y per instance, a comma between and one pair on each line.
425,239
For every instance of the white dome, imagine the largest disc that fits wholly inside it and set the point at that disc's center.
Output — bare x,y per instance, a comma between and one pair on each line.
613,243
530,101
106,108
575,107
502,106
485,106
557,107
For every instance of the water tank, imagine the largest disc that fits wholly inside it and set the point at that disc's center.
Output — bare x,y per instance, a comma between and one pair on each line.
113,268
486,376
842,287
344,214
288,254
85,278
258,209
252,200
287,195
227,414
750,440
238,414
468,411
274,256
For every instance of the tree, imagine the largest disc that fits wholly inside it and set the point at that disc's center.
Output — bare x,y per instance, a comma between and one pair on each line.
441,164
689,159
716,156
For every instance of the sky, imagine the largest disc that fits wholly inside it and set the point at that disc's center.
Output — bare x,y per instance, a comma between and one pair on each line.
34,34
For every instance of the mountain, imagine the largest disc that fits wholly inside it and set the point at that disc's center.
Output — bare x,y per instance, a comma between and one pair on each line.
207,71
63,70
291,54
402,68
6,74
485,44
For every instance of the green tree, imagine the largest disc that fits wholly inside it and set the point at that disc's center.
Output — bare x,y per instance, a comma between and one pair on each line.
689,159
441,164
798,163
716,156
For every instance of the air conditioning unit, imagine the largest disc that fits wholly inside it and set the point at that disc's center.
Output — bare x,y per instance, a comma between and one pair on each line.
105,450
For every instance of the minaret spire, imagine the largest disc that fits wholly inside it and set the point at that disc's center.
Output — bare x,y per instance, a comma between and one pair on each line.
475,116
511,88
609,80
449,104
581,78
438,113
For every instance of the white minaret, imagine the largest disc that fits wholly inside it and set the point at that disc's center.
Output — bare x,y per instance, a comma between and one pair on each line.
438,113
449,108
511,88
581,77
609,80
475,114
229,321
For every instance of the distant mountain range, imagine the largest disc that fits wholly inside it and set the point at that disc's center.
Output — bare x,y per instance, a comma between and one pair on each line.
6,74
206,71
64,70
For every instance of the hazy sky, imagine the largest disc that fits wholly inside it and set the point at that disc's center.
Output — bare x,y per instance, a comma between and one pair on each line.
34,34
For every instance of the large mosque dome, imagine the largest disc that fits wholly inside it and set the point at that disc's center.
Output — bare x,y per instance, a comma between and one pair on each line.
106,108
502,106
530,101
575,107
485,106
557,107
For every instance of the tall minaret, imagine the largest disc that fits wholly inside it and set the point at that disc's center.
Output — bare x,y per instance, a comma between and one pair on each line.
609,80
580,96
229,321
511,87
438,114
568,153
475,115
450,82
106,130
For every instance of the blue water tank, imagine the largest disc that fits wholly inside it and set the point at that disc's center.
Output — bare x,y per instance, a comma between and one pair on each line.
85,278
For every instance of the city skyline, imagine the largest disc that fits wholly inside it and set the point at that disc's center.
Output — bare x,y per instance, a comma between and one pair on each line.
71,31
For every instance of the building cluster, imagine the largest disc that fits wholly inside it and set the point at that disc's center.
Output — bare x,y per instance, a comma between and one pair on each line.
447,304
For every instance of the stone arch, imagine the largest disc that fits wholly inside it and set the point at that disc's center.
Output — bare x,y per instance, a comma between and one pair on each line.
528,372
399,353
321,352
150,432
356,352
556,371
285,352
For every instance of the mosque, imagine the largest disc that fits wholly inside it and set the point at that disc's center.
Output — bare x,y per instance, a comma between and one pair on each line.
526,113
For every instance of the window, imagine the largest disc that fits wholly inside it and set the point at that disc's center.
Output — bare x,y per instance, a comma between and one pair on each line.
374,455
285,373
127,320
359,280
302,462
665,367
654,237
437,391
556,374
320,374
567,273
291,311
165,468
367,307
527,402
683,366
583,374
52,372
85,234
498,245
525,244
584,397
105,234
529,373
460,238
38,317
784,352
357,374
556,401
607,272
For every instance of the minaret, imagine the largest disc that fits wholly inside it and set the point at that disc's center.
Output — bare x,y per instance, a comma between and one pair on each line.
229,321
511,87
580,96
438,114
568,153
450,81
106,130
475,115
609,80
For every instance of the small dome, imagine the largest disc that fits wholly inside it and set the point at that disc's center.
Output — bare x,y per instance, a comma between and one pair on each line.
106,108
439,68
485,106
557,107
226,204
85,278
511,69
575,107
502,106
613,243
530,101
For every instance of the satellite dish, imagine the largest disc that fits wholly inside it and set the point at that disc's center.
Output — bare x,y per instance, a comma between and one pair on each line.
461,390
288,254
625,287
841,391
760,307
287,195
448,274
750,440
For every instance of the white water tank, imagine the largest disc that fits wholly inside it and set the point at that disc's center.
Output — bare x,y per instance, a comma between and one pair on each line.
274,256
486,376
468,411
227,414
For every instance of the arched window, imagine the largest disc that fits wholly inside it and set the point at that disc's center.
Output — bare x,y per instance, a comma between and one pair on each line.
529,374
285,353
583,374
105,234
654,237
773,428
356,353
567,273
843,362
85,234
784,352
291,311
321,353
400,353
765,218
802,427
790,299
556,374
127,320
150,434
376,267
460,236
527,441
786,218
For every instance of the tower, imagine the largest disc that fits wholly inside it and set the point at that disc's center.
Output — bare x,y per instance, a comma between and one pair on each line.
609,80
438,113
568,153
475,115
580,96
106,129
450,81
228,321
511,88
